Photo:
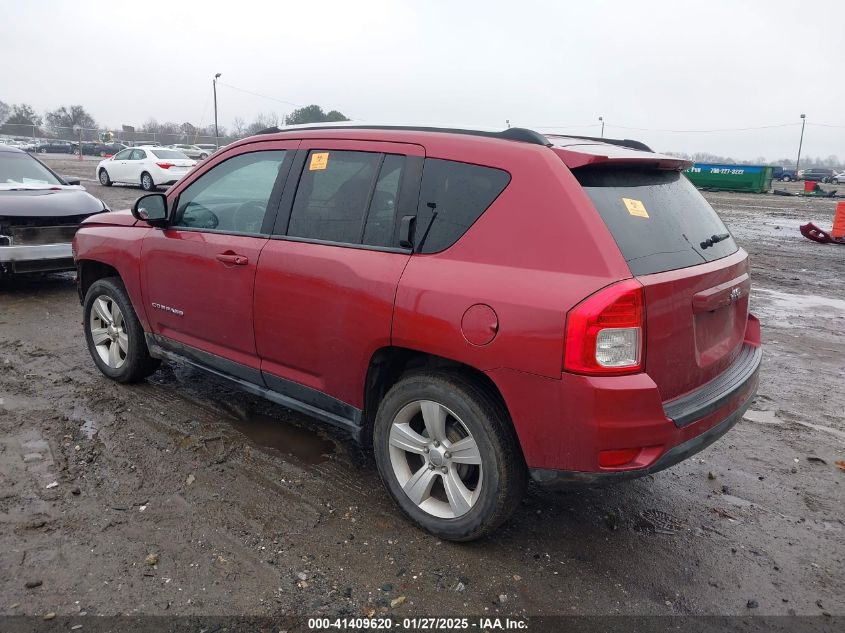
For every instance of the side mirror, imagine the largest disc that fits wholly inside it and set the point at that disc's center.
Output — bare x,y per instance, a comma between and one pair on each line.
152,209
71,180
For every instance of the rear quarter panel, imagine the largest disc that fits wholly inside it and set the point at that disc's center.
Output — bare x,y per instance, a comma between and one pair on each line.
539,249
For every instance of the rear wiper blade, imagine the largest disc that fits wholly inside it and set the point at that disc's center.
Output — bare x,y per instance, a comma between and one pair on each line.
714,239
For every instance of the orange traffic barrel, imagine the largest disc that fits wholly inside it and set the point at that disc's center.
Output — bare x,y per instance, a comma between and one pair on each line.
839,221
809,186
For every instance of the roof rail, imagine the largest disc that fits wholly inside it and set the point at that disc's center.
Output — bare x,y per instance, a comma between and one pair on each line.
615,141
510,134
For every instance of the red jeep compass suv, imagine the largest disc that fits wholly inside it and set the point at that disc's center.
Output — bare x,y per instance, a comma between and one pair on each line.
481,307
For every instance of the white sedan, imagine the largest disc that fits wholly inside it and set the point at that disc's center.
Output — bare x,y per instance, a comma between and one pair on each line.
147,166
838,179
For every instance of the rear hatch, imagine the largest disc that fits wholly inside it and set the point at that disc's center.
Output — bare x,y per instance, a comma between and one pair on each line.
694,275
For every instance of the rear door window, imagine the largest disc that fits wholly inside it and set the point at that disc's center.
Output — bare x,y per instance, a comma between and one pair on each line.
658,218
453,196
347,197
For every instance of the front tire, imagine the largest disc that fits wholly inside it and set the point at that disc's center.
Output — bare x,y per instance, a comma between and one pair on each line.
104,178
147,183
448,455
113,333
786,179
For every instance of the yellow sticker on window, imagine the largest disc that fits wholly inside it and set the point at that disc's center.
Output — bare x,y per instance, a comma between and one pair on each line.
635,207
319,160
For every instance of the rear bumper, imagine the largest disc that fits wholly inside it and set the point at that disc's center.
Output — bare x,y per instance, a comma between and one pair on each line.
575,430
562,480
689,424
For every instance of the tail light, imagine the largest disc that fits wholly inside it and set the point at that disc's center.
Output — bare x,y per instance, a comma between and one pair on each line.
165,165
605,332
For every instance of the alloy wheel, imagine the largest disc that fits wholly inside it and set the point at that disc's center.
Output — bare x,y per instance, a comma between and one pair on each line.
436,460
108,331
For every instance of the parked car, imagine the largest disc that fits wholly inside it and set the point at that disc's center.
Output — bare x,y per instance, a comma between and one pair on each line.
29,145
818,174
55,147
147,166
90,148
838,178
210,148
477,307
191,151
39,213
784,174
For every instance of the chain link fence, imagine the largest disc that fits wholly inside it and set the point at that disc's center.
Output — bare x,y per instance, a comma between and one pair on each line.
27,132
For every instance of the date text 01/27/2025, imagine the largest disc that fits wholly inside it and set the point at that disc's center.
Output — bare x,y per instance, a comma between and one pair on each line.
418,624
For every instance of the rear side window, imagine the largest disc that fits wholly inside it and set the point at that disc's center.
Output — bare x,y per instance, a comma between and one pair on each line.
347,197
167,153
658,218
453,196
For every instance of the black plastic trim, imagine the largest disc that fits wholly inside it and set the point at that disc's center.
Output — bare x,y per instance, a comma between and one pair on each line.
621,142
568,479
712,395
284,392
520,134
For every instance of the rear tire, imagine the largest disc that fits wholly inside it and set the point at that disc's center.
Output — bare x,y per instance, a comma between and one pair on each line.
113,333
786,179
147,183
104,178
464,485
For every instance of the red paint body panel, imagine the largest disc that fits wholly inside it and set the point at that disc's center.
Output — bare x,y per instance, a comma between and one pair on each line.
322,311
687,345
181,271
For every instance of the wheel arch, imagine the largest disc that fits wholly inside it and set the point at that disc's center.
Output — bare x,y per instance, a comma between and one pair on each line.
388,365
89,270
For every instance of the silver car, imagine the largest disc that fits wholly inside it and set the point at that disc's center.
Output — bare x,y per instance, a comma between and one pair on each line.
191,151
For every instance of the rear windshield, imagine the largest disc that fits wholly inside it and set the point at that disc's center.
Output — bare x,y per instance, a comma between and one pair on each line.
657,217
167,153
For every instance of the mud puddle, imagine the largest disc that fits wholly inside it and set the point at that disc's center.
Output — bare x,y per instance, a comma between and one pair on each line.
788,309
276,435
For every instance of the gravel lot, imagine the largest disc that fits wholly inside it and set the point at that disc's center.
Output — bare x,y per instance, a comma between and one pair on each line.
248,508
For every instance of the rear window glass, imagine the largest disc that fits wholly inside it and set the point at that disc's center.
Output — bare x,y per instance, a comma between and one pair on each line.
658,218
167,153
459,193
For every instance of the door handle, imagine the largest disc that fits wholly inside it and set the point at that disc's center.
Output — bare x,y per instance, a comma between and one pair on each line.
232,259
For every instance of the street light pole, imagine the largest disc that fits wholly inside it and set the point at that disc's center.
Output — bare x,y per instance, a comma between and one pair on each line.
601,118
216,135
800,143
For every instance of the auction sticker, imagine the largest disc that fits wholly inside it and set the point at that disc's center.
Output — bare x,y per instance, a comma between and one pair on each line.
319,160
635,207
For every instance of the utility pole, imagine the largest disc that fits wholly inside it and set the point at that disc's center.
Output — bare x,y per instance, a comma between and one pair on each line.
800,143
601,118
216,135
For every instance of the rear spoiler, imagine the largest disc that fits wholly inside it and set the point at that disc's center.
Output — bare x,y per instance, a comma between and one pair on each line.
581,151
595,155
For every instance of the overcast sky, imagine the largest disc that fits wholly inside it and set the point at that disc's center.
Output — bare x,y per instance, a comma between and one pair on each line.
555,66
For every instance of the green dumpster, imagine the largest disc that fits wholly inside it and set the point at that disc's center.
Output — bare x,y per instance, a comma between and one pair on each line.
751,178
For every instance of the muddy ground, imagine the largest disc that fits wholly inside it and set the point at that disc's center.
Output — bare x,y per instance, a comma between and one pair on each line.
247,508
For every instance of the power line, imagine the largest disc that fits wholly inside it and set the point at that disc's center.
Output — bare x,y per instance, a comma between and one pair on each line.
826,125
727,129
263,96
